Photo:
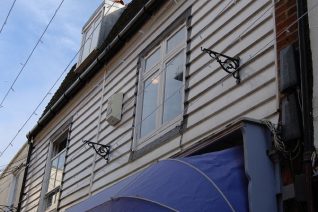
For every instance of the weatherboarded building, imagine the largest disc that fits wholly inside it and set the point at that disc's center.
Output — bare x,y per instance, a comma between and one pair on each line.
11,180
164,79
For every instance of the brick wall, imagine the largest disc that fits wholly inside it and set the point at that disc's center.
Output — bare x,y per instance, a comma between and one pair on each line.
287,34
286,14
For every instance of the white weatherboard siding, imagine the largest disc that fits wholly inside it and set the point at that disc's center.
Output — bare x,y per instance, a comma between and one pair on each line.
213,101
11,179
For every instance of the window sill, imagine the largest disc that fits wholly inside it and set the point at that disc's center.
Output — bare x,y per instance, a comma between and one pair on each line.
162,138
53,209
168,126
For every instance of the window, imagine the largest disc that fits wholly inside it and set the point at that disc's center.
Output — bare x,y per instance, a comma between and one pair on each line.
15,185
98,27
55,173
161,85
90,36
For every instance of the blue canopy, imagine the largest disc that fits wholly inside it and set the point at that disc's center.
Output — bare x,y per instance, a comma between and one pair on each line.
209,182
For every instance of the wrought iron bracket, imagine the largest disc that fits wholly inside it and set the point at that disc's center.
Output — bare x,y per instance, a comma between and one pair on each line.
231,65
101,149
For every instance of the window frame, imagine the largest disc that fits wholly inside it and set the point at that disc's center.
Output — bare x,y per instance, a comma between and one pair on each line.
165,57
58,163
86,29
12,194
61,137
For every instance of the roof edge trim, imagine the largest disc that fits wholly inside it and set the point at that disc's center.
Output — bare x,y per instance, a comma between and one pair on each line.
87,73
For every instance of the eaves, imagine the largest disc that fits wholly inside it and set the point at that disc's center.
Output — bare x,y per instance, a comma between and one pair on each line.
118,36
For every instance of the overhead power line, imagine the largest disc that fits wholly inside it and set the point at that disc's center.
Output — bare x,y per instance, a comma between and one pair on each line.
30,55
138,124
54,84
252,57
6,19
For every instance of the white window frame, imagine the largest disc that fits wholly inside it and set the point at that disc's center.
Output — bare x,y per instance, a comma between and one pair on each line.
161,128
56,189
90,25
13,188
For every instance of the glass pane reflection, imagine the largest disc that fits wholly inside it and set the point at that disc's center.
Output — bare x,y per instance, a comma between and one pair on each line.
173,88
53,174
59,171
96,31
152,59
176,39
149,105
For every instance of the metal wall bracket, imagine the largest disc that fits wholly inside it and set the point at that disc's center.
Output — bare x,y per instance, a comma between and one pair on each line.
101,149
231,65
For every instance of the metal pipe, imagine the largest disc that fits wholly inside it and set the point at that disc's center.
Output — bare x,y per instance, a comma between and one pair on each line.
30,143
306,76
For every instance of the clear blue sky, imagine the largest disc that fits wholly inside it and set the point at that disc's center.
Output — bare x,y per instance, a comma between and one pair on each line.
61,42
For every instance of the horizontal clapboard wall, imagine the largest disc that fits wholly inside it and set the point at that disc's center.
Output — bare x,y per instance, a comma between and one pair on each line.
212,103
243,28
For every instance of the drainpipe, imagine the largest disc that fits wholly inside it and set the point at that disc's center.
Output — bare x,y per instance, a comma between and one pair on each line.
30,142
306,76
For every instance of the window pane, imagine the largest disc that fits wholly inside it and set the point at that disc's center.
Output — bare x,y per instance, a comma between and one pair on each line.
149,105
173,88
88,41
96,31
153,59
59,146
53,174
51,199
59,171
62,145
176,39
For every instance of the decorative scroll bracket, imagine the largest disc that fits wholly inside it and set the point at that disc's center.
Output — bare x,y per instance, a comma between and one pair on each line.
231,65
101,149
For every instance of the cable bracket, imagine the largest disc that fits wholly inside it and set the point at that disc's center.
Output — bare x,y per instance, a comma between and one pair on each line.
101,149
230,65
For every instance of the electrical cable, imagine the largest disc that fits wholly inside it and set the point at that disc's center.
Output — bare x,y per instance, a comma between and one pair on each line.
252,57
62,75
154,109
31,53
48,93
6,19
24,65
174,93
50,90
166,99
4,165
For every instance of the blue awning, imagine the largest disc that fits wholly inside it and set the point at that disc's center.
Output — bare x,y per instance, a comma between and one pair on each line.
209,182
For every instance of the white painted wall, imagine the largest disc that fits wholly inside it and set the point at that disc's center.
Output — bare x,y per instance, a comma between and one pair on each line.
313,27
214,101
11,179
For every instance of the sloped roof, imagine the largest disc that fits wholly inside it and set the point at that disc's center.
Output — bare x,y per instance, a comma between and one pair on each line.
132,8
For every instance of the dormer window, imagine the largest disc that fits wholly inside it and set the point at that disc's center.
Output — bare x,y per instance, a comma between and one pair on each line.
90,36
97,28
